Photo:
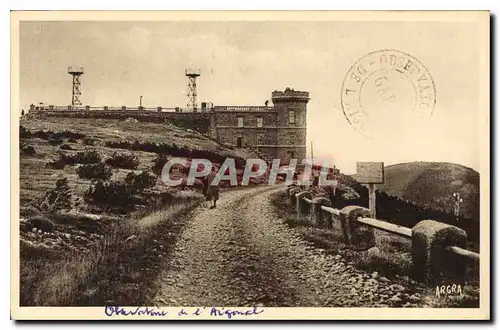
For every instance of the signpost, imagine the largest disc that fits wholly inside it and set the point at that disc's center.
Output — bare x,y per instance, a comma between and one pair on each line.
370,173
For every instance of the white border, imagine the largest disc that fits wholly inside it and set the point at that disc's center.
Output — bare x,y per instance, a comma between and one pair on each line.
194,4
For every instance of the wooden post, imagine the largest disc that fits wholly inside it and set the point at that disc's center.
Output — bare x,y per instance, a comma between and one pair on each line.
372,200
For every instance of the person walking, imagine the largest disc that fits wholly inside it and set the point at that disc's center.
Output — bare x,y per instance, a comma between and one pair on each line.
211,191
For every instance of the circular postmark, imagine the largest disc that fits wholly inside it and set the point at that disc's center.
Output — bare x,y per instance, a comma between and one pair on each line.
385,92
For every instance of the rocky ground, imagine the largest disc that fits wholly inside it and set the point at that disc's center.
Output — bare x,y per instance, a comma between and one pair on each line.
242,254
41,236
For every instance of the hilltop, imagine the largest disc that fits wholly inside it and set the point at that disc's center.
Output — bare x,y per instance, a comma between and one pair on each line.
432,184
51,136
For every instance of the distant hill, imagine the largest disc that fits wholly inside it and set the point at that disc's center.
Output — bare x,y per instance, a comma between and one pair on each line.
432,184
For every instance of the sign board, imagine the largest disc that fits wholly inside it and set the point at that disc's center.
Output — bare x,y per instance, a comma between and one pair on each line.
370,172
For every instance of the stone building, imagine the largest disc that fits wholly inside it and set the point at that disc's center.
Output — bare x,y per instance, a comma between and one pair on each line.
278,131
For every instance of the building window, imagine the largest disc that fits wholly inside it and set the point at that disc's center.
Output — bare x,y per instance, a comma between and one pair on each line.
259,121
240,121
291,117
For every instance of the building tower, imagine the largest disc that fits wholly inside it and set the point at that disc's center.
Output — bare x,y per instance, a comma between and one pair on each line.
192,74
76,73
291,110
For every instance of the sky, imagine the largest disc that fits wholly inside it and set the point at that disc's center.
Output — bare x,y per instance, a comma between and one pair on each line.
243,62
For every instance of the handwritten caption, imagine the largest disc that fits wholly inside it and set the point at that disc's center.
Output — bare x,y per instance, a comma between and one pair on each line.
183,312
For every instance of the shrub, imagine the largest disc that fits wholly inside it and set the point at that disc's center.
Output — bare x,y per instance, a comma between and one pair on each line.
94,171
69,135
147,146
48,135
118,144
24,133
141,181
110,196
58,198
82,157
158,163
88,142
117,196
88,157
56,164
72,141
55,142
127,161
28,150
41,222
65,147
66,159
173,150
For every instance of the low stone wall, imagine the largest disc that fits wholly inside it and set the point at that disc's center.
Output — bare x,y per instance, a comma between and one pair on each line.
197,121
431,240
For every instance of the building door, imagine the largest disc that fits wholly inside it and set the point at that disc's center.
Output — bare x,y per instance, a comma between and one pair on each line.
239,141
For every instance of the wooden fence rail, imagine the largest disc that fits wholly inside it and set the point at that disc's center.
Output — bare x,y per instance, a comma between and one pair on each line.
386,226
463,252
331,210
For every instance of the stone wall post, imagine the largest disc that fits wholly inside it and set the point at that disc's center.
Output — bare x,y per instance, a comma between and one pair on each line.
302,206
319,217
288,188
430,259
357,235
291,196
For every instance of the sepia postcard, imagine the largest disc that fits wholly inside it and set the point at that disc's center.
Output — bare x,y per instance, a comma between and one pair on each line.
260,165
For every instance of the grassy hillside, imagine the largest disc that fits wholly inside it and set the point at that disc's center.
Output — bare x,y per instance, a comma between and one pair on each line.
119,130
99,134
432,184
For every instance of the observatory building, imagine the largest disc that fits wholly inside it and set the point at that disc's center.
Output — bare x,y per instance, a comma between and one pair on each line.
278,131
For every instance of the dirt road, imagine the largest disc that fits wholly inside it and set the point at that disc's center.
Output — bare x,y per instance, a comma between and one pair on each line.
241,254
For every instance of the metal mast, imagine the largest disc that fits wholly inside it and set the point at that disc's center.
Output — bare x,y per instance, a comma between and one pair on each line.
76,73
192,74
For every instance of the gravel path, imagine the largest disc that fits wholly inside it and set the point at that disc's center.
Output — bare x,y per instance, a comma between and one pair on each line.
241,254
